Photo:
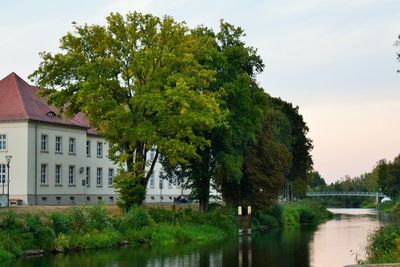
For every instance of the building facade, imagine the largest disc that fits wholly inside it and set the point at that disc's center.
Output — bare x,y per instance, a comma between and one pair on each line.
56,161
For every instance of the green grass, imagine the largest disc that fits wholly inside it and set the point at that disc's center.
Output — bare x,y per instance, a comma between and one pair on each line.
91,227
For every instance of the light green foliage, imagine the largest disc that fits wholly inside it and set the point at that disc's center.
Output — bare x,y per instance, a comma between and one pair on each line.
136,218
139,82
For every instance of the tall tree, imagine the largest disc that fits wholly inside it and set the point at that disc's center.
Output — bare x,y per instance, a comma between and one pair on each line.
236,66
139,82
300,147
265,165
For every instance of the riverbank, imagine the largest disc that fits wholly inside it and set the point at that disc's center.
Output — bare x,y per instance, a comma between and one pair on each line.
80,228
291,214
384,244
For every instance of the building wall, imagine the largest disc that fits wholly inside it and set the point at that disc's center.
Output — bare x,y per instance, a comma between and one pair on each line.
24,144
64,192
17,147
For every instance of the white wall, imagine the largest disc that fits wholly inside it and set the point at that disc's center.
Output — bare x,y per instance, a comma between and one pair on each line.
17,146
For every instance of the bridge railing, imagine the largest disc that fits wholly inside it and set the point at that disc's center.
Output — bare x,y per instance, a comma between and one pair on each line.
341,193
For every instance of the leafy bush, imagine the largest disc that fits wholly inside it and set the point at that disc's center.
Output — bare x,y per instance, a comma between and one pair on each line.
97,216
4,254
160,215
43,235
61,223
78,219
136,218
10,222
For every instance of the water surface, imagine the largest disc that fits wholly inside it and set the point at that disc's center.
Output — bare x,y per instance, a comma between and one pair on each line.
335,243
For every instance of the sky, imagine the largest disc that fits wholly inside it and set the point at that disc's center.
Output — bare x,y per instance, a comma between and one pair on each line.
335,59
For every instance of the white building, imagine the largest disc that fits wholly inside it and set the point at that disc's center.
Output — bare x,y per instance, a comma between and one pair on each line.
57,161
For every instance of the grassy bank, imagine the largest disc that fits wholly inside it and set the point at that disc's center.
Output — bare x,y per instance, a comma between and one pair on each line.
92,227
291,214
384,244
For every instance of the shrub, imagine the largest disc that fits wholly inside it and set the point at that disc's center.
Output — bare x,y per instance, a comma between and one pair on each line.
78,219
61,223
97,216
160,215
43,235
62,243
4,254
136,218
10,222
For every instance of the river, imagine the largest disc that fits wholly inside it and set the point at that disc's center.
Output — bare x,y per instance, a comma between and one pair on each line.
334,243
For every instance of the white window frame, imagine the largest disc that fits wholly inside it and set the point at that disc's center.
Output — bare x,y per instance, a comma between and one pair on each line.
71,174
58,174
99,149
58,144
44,143
44,169
3,172
72,145
99,177
3,142
110,177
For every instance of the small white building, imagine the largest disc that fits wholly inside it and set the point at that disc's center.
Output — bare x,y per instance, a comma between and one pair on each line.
57,161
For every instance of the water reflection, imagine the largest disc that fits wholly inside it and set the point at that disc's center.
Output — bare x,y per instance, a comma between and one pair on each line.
334,243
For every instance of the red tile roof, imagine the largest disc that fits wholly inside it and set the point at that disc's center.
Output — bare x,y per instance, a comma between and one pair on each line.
19,101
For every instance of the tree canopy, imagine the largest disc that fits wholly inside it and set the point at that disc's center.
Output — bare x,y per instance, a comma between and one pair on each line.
140,83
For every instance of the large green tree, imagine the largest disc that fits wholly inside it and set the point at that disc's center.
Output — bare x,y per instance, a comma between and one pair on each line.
140,82
300,147
265,165
236,66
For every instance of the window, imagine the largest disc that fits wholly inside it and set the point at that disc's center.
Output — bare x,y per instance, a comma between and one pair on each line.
71,175
161,183
110,177
99,176
58,174
99,149
58,144
44,146
169,183
43,173
152,180
87,148
71,145
44,198
3,142
88,176
2,173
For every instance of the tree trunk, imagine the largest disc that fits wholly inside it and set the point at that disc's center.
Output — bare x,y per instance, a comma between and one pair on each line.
204,194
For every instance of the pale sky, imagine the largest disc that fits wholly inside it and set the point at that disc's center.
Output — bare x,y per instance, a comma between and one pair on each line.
335,59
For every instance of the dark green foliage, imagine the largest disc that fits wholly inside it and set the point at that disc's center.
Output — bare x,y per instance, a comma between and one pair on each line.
300,145
10,222
291,214
61,222
270,217
43,235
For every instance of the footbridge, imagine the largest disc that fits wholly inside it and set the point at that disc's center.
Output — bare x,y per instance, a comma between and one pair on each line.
348,193
378,195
